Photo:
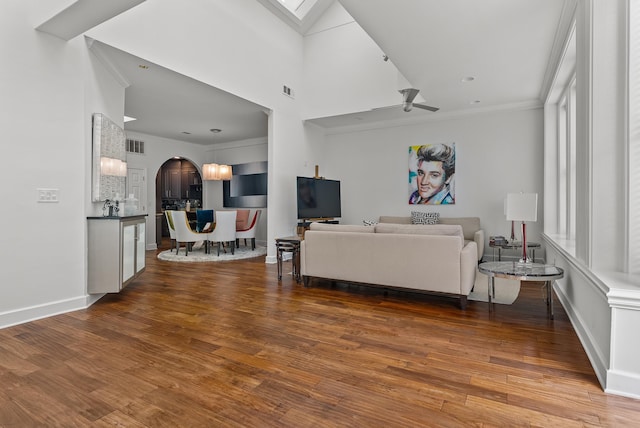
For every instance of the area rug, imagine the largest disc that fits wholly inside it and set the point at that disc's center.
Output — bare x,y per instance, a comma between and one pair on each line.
198,255
506,290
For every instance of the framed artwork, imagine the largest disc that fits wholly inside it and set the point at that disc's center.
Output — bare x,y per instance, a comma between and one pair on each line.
432,174
109,169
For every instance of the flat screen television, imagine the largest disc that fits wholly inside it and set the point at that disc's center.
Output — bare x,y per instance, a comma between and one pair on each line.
318,198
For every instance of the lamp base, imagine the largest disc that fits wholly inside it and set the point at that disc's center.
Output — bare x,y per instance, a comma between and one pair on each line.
525,258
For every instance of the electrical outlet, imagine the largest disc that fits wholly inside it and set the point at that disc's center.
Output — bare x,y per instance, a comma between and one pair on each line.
48,195
286,90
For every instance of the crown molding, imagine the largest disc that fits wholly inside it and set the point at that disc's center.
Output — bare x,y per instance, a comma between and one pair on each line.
95,48
440,116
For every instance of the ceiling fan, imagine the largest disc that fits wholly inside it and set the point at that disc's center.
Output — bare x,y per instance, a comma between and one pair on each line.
408,95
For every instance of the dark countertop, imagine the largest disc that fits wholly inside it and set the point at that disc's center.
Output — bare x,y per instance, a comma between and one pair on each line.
114,217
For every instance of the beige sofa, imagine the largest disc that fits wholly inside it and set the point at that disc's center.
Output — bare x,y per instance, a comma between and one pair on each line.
470,228
430,258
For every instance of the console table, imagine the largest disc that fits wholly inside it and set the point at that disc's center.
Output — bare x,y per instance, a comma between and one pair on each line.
522,272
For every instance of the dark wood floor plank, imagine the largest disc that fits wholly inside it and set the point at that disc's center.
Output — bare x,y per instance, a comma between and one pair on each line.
227,344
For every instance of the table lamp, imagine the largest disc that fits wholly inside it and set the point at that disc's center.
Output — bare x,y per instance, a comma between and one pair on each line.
523,207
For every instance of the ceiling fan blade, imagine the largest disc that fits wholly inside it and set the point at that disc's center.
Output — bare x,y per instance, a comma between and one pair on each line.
408,94
426,107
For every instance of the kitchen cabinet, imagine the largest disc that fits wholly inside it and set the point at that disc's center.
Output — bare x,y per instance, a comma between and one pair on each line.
116,252
180,180
189,178
172,182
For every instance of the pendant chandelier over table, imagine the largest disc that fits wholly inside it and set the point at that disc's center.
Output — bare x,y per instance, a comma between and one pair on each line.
214,171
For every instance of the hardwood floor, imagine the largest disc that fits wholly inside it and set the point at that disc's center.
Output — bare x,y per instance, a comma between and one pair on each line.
226,344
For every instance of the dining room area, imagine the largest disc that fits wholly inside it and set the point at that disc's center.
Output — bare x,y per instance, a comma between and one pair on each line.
204,235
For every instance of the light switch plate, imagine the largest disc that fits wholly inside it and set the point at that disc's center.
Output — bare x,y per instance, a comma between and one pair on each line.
48,195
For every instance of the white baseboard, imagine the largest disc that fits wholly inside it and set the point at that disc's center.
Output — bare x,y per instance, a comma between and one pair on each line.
270,259
623,383
32,313
597,360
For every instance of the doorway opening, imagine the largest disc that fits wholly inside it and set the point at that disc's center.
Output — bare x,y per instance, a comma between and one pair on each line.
178,187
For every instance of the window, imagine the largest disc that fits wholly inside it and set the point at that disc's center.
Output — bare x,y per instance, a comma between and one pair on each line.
560,146
561,157
571,161
566,163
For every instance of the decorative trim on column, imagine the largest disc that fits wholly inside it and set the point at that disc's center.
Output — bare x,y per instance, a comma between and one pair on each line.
624,299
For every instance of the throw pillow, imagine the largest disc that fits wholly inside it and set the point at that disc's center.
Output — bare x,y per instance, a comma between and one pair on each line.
369,222
420,217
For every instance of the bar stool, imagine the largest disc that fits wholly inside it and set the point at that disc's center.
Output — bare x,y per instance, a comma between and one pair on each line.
288,247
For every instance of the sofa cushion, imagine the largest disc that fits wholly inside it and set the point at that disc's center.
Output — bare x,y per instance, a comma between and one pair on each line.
395,219
470,225
421,229
341,227
421,217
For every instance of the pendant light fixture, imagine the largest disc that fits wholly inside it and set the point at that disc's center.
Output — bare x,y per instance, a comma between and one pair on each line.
214,171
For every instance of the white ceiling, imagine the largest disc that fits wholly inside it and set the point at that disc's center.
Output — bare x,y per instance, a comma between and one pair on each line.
168,104
508,46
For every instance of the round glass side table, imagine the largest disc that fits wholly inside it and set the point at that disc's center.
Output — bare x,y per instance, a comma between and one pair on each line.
522,272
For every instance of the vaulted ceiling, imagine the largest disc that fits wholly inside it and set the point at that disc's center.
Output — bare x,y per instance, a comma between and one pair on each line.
463,55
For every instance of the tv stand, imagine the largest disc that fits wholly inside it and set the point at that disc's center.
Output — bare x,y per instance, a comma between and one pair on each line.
303,225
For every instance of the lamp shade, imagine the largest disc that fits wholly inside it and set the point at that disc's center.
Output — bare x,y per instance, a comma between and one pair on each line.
210,171
522,206
225,172
113,167
213,171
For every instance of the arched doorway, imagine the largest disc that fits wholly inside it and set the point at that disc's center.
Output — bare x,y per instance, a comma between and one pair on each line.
178,185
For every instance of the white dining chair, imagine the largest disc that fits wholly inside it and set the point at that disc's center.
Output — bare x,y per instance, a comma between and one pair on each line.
225,230
185,234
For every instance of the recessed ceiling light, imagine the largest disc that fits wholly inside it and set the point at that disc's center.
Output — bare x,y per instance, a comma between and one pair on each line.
468,79
129,119
215,130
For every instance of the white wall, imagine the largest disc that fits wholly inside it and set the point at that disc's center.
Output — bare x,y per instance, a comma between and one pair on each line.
496,153
343,69
45,146
103,94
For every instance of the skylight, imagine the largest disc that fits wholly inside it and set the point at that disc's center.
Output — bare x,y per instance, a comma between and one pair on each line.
298,7
299,14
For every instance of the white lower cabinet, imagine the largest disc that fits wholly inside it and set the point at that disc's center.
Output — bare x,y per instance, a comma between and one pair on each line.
116,252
